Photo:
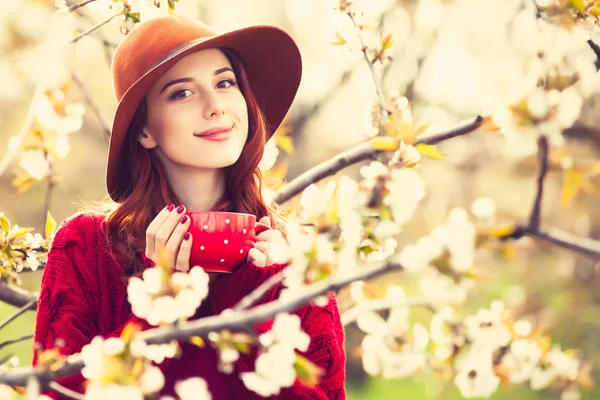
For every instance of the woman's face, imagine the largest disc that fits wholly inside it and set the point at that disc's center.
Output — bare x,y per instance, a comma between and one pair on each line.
197,116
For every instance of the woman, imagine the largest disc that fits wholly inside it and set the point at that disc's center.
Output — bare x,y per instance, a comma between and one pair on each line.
194,111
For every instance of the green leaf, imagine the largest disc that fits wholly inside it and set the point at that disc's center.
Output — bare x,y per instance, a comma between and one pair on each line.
50,225
430,151
307,372
241,347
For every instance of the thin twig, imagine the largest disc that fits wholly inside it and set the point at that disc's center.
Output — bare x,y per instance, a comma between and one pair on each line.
201,327
378,89
58,388
580,244
77,38
596,49
19,312
79,5
13,341
382,304
22,135
92,103
462,129
259,292
534,218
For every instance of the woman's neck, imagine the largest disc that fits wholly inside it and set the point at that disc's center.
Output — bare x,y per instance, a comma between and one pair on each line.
198,190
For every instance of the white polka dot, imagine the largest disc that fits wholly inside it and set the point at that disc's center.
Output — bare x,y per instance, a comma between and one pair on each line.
222,260
244,230
227,221
226,241
241,251
205,227
201,247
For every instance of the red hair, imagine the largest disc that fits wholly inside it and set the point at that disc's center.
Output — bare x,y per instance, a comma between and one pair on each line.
151,192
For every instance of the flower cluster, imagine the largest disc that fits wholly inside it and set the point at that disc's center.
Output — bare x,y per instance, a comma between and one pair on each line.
162,296
275,366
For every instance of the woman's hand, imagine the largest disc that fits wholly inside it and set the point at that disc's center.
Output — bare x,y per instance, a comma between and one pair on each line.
270,247
168,233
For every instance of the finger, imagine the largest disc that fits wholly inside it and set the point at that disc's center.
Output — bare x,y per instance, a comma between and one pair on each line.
276,252
153,229
270,235
183,257
175,240
263,246
265,220
257,258
166,230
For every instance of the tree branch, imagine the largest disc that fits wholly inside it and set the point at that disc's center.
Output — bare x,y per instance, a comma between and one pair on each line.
13,341
66,392
22,135
80,4
358,153
259,292
227,320
79,37
579,244
92,103
17,296
19,312
596,50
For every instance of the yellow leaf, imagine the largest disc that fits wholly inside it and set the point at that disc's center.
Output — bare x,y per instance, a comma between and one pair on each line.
50,225
502,231
386,42
421,129
594,170
573,180
197,341
339,40
577,4
285,143
5,223
430,151
385,143
20,232
307,372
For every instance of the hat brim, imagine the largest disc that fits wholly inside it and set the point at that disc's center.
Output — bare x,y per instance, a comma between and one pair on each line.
272,63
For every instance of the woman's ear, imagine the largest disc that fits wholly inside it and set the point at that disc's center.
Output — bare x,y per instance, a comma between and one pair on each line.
147,140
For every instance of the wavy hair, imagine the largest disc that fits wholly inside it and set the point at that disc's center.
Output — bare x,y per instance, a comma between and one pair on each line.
126,222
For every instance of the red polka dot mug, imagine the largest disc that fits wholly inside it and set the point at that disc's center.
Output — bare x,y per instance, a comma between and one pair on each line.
221,240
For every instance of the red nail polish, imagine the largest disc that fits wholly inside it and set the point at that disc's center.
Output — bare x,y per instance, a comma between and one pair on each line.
170,207
179,209
184,219
186,236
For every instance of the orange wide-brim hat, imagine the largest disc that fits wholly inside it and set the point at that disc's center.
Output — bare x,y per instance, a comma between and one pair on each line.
270,57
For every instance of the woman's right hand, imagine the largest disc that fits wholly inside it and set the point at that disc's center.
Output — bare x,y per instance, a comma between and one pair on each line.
168,232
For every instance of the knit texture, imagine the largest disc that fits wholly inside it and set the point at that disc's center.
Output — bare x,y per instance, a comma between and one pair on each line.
83,295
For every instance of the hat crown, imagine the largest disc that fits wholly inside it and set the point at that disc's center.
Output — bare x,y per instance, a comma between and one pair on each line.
147,44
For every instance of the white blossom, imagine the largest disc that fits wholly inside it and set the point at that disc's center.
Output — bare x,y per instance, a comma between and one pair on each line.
486,328
193,389
553,364
483,207
98,391
34,162
406,190
521,359
475,377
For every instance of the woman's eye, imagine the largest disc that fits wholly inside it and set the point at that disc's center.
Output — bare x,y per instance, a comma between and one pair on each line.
180,94
226,83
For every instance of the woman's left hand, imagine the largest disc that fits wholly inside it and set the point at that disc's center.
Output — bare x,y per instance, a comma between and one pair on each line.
269,248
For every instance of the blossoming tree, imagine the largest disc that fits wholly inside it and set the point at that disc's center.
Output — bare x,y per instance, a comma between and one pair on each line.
346,232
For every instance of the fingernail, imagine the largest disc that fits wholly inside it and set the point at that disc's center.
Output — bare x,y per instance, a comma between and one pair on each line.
184,219
186,236
179,209
170,207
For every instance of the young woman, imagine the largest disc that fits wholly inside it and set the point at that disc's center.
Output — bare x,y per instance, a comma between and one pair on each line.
194,111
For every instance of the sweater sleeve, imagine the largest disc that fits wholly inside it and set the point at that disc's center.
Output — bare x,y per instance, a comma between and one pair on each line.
64,312
322,324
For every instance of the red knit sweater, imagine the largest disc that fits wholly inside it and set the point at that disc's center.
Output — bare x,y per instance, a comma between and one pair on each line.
82,295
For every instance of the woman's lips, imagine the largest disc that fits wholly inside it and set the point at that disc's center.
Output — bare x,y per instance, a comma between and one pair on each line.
215,134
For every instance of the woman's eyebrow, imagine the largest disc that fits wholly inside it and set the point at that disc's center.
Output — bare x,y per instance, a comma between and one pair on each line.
188,79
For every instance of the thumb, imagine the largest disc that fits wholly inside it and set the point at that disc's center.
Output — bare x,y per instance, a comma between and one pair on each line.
265,220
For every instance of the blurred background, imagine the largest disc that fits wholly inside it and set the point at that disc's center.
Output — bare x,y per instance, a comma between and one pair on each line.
451,60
